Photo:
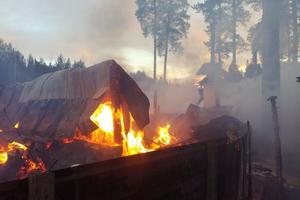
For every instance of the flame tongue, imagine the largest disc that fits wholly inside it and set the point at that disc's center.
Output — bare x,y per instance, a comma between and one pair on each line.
164,137
3,157
103,117
15,145
133,139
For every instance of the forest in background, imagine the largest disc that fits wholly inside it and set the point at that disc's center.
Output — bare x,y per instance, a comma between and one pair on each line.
14,67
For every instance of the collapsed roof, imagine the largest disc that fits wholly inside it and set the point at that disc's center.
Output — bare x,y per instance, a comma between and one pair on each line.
55,104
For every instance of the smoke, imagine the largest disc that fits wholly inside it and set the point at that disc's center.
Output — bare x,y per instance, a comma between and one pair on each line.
94,31
247,103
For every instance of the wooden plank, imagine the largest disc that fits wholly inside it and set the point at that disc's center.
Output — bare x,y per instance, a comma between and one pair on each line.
175,173
41,187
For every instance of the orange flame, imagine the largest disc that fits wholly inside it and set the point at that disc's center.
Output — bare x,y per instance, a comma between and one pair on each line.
133,140
15,145
30,167
163,138
103,118
3,157
133,143
17,125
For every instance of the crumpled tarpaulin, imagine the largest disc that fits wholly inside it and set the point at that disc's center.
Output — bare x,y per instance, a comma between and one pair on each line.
59,102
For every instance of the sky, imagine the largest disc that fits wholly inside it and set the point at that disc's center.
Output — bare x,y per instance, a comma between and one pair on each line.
94,31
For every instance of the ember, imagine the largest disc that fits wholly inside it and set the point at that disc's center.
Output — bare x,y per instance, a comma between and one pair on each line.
30,165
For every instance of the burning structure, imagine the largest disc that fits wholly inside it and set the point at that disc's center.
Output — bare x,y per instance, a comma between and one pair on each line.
100,105
99,114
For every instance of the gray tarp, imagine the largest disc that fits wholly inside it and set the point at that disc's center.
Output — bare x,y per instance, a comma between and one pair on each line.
62,100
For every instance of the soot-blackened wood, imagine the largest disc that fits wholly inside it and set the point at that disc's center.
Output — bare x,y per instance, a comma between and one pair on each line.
178,173
41,187
175,173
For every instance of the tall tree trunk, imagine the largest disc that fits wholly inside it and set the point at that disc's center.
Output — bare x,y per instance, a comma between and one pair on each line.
270,47
254,56
271,67
213,41
155,41
155,102
295,31
166,57
289,44
155,54
234,33
220,32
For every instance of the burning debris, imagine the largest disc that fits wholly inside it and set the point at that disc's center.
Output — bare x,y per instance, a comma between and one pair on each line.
20,151
98,106
110,126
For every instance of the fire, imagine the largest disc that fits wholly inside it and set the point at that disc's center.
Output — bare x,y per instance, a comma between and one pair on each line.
133,143
103,117
243,68
17,125
30,167
164,137
3,158
29,164
133,139
15,145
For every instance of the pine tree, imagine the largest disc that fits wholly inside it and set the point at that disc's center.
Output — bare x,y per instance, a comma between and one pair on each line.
295,30
147,15
78,64
68,64
30,62
60,62
237,16
209,10
289,27
173,26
